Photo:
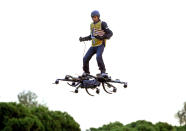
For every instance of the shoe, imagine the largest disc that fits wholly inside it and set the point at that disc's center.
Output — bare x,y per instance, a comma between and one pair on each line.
85,74
104,75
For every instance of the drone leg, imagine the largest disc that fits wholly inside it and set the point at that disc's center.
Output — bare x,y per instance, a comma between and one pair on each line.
70,84
114,88
125,85
88,92
56,82
76,90
105,88
97,90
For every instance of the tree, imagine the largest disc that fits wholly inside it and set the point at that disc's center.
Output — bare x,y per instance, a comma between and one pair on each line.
181,115
17,117
163,126
28,98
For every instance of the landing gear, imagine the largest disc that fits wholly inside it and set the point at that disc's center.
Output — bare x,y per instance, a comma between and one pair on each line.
114,90
57,82
97,90
125,85
76,90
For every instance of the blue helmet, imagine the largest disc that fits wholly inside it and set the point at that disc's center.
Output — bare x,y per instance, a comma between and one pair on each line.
95,13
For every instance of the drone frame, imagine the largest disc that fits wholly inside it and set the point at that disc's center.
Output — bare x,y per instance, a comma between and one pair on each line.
78,82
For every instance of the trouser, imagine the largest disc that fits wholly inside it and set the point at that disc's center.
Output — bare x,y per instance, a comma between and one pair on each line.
98,50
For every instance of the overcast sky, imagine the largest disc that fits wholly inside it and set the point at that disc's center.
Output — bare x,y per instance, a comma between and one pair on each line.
39,43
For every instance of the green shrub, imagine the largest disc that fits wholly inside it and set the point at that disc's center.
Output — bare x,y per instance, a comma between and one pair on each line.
24,124
163,126
18,117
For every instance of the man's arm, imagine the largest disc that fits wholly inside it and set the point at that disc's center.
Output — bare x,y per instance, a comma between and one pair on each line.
108,33
85,38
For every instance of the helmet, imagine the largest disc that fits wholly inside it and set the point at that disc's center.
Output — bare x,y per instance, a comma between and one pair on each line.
95,13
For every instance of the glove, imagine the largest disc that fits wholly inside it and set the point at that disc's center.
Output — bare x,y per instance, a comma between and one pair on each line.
100,37
81,39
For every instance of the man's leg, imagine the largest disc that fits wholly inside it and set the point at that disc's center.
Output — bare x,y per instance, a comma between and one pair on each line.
87,58
99,58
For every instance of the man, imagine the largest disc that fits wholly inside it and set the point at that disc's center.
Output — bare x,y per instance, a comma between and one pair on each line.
99,33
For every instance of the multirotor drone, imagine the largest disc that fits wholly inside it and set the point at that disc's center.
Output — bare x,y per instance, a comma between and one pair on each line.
92,82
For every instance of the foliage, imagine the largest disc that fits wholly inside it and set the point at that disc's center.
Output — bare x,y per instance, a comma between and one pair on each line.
28,115
181,115
24,124
181,128
143,125
18,117
163,126
28,98
140,125
111,126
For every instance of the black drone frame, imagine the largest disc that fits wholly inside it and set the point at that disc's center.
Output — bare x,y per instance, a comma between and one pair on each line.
92,82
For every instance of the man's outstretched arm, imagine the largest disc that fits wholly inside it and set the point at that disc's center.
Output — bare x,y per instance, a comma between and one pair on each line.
85,38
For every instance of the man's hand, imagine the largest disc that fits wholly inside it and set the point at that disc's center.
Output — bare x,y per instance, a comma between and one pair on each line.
85,38
81,39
